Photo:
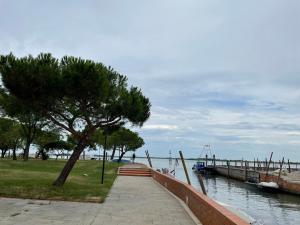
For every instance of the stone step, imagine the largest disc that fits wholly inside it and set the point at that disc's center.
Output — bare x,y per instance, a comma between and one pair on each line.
131,171
137,175
136,171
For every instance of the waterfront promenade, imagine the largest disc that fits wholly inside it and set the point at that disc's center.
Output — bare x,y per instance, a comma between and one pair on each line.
132,200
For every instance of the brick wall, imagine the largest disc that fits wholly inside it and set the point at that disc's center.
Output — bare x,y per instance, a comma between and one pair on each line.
205,209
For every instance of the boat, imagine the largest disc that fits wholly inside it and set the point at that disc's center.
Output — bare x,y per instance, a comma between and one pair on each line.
198,167
269,186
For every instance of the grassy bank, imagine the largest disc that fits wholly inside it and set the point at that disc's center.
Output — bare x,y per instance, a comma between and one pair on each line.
33,179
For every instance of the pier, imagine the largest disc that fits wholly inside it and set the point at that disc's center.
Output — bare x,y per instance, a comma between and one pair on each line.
257,171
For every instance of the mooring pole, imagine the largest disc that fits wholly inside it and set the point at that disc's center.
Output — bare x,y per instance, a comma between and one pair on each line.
149,159
269,163
184,167
206,160
202,184
281,164
245,170
228,168
214,159
289,165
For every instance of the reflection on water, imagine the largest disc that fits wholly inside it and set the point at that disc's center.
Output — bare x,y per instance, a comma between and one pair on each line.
270,208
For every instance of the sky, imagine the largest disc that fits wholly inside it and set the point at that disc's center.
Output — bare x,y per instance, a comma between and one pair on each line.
223,73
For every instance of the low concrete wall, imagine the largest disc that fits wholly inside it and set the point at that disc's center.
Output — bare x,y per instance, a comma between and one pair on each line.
205,209
288,186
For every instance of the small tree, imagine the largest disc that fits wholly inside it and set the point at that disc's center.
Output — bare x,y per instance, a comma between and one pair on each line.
123,140
77,95
10,138
30,121
48,140
128,141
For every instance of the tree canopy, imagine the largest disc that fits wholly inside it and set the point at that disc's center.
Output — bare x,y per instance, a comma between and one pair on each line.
123,140
50,140
77,95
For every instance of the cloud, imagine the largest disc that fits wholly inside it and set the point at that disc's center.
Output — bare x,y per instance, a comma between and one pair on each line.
224,73
160,127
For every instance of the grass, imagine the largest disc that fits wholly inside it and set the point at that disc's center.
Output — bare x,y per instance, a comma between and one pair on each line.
33,179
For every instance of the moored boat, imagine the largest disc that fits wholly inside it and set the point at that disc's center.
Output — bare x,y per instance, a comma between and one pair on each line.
198,167
268,186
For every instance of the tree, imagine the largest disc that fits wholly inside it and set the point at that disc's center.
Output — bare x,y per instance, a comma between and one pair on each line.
127,141
77,95
50,140
122,139
30,121
10,138
110,136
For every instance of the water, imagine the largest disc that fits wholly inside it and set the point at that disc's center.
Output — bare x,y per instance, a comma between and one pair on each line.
267,208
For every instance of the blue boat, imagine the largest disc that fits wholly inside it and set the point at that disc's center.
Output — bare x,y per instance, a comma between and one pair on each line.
199,167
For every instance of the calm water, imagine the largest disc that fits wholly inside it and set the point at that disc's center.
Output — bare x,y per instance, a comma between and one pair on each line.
267,208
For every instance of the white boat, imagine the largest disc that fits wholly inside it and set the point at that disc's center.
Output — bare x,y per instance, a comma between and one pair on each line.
269,186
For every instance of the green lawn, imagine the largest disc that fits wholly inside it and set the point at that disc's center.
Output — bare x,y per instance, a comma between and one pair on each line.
33,179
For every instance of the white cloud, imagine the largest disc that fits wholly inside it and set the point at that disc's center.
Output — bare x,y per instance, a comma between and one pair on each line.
160,127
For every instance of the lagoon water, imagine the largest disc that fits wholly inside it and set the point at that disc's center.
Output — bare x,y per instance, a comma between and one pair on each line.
266,208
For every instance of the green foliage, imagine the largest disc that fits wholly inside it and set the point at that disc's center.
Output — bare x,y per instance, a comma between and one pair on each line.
51,140
79,92
29,120
10,137
122,139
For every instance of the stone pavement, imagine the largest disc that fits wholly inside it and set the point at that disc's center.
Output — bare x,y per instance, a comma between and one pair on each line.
132,201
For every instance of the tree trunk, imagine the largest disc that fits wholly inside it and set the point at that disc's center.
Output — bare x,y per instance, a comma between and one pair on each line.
69,165
26,150
14,154
3,151
121,156
113,152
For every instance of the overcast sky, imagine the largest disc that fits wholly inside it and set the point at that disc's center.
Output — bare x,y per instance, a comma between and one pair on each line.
224,73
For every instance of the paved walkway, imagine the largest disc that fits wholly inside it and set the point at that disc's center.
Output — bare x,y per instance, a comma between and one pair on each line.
132,201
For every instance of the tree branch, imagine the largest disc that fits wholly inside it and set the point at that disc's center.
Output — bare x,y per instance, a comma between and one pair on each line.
71,130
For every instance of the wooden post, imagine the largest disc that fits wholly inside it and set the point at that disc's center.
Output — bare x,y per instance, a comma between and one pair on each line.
228,167
281,163
269,163
289,165
206,160
214,161
184,167
202,184
245,170
266,163
149,159
254,164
